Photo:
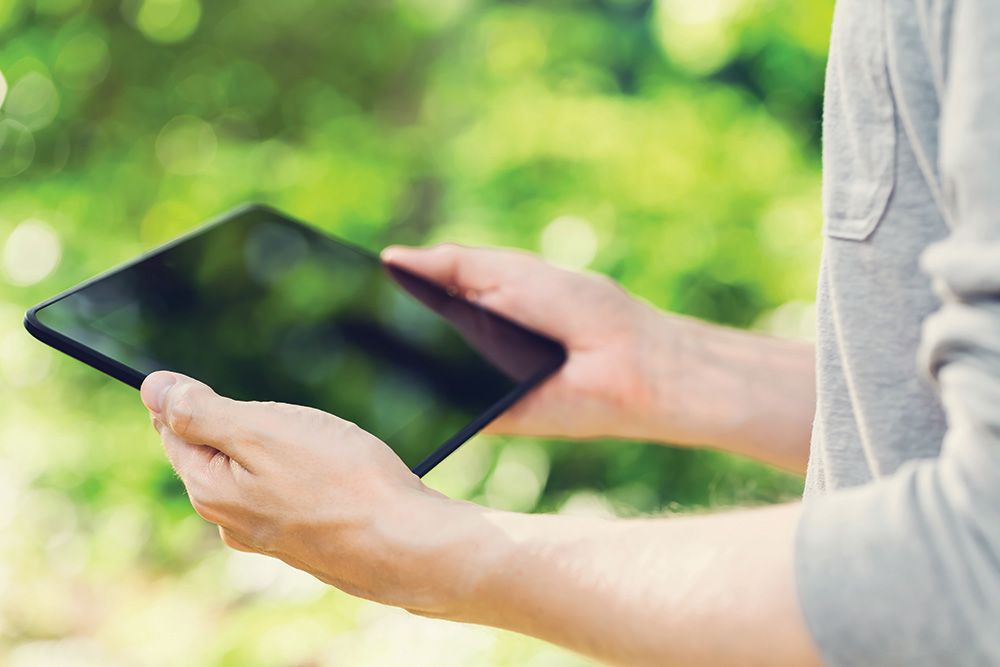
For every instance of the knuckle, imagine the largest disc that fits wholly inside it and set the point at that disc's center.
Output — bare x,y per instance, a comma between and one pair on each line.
348,427
605,281
341,429
181,408
277,409
447,249
262,419
450,256
609,285
219,464
236,469
311,420
353,433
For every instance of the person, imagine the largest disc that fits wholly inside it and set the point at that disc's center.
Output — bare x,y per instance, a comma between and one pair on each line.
893,558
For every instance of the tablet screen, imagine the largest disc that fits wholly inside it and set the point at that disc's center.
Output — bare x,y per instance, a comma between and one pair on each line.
261,307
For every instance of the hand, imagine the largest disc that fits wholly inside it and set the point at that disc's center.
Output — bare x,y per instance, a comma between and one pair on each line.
303,486
633,371
328,498
612,339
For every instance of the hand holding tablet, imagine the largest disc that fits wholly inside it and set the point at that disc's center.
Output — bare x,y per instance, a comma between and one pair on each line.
369,371
261,307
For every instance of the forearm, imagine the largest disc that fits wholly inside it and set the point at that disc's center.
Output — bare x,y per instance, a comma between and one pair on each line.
690,591
733,390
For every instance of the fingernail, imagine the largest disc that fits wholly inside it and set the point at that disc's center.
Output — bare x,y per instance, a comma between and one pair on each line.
155,388
393,252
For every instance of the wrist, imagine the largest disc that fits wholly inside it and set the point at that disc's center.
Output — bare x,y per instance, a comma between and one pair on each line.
695,381
669,400
439,549
734,390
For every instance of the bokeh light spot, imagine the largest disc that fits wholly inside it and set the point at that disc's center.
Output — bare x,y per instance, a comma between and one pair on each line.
166,219
83,61
587,504
699,35
699,12
186,145
17,147
514,47
459,474
438,13
11,12
33,100
569,241
31,252
168,21
519,477
281,161
3,89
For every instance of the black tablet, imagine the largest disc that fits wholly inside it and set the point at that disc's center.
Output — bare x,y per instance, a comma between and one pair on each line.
262,307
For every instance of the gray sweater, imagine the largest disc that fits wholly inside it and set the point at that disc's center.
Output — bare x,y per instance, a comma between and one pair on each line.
898,548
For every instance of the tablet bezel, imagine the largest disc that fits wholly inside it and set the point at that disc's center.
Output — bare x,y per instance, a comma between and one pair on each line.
134,378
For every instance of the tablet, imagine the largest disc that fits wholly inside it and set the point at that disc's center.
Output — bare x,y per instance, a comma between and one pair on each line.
262,307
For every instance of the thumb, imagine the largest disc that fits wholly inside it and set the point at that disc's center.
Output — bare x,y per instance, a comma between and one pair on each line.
197,415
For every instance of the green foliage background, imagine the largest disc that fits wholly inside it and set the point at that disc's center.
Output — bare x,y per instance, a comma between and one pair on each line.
673,145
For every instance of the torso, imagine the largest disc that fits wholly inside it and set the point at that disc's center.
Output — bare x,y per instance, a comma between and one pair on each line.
875,409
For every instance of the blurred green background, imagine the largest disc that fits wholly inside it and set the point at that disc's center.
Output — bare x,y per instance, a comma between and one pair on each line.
673,145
